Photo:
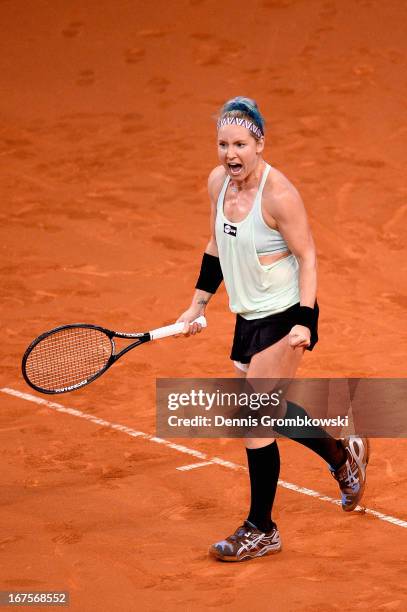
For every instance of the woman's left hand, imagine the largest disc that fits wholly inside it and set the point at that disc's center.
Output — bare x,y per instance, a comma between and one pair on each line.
299,336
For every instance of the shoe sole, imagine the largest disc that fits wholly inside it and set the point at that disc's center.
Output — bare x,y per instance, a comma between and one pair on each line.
217,555
366,443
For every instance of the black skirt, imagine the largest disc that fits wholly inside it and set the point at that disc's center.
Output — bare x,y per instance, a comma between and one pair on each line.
254,336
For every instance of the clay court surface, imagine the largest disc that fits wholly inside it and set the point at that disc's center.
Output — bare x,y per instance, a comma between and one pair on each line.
106,140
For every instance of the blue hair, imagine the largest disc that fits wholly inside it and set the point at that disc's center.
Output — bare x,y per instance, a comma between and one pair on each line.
247,107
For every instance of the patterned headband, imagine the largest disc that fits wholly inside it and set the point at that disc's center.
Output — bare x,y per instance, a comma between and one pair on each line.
249,125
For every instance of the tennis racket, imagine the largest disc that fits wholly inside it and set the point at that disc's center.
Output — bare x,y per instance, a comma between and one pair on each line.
72,356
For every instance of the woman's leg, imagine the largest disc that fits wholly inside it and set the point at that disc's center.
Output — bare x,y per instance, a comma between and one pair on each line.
277,361
259,535
347,459
263,456
281,361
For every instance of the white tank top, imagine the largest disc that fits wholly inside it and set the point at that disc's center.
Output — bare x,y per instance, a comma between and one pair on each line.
255,290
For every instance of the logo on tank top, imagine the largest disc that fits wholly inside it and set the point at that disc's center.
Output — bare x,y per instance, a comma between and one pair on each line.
229,229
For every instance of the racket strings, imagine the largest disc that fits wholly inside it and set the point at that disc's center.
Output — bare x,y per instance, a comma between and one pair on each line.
68,357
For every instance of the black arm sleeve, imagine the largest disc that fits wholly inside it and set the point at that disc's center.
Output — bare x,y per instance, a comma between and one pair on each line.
210,276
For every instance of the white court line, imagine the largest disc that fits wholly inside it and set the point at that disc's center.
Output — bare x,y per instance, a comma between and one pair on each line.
90,417
193,466
189,451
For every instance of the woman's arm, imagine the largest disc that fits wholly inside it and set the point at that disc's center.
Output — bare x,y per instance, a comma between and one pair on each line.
287,208
288,211
201,298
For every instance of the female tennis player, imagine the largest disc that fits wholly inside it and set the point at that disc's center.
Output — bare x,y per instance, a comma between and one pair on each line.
261,246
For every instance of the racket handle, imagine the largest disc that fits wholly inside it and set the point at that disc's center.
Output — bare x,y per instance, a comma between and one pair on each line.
175,328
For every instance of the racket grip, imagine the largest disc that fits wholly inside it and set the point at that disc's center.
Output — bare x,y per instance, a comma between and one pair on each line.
175,328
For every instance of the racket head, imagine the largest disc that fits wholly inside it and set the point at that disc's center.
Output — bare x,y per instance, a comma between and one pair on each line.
68,357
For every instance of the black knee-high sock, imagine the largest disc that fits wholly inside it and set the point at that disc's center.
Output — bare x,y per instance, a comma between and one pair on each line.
264,469
317,440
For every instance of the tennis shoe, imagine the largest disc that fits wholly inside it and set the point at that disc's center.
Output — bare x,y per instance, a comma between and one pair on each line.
351,476
247,543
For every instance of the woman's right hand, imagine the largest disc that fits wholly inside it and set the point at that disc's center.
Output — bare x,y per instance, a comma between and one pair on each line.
188,316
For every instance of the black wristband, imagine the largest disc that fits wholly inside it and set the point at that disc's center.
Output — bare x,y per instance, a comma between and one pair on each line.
306,317
210,276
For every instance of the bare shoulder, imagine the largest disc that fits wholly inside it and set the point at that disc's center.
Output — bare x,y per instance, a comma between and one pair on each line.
215,182
279,186
279,192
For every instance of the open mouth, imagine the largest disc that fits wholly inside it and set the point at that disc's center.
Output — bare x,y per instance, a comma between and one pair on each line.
235,168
